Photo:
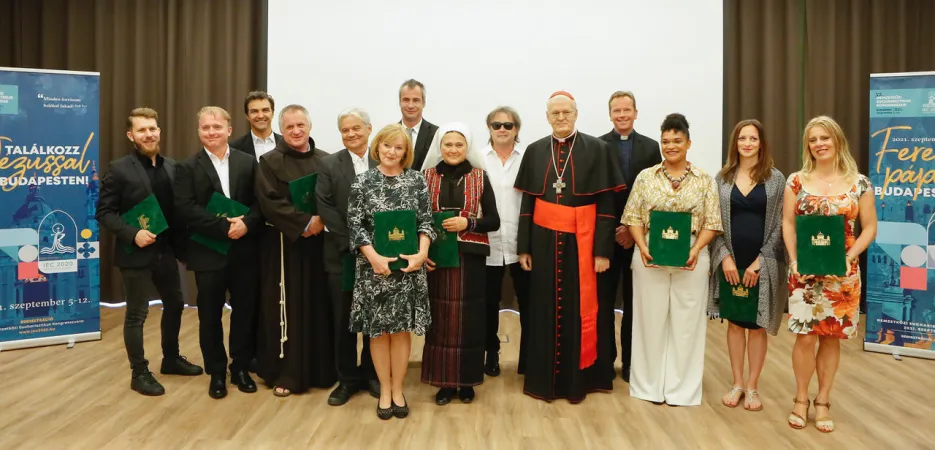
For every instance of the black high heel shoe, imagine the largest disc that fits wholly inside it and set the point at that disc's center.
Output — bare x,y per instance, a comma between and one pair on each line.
401,412
387,413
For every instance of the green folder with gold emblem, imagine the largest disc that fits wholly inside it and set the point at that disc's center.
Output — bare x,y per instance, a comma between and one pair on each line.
146,215
669,237
348,275
819,245
738,303
220,206
394,234
303,193
444,250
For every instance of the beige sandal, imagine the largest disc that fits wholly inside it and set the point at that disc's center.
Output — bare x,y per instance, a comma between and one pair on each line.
733,397
748,400
280,391
824,424
796,421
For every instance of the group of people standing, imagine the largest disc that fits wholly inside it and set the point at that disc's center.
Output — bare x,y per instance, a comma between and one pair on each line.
568,218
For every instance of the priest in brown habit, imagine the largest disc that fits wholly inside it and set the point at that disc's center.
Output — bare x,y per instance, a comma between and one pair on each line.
297,352
566,237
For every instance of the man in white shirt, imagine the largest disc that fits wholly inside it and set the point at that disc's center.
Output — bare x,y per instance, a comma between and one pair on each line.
421,131
336,173
502,159
259,108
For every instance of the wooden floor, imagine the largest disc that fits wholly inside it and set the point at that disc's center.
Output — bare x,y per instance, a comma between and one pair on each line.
54,397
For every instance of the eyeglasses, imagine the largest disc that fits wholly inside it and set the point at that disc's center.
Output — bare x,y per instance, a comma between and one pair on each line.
508,125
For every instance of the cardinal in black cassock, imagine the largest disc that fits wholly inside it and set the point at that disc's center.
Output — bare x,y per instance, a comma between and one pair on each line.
566,235
296,349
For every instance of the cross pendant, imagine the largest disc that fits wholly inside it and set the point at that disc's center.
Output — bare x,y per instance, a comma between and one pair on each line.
558,185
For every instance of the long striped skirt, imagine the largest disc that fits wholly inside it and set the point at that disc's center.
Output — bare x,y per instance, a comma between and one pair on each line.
453,355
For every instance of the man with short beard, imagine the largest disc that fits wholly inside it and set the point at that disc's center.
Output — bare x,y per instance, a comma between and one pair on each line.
142,256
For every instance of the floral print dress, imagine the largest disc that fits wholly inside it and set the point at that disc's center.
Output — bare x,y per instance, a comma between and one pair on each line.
827,305
399,302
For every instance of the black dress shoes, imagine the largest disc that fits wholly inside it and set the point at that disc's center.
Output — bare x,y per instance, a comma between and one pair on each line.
373,386
625,374
179,365
444,395
145,383
243,381
253,365
466,394
218,386
492,367
341,394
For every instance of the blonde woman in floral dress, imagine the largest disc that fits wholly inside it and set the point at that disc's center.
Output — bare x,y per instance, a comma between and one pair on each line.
825,309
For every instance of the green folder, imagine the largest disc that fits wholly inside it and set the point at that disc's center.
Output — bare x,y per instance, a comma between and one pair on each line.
220,206
146,215
669,237
444,250
820,245
738,303
348,274
303,193
394,234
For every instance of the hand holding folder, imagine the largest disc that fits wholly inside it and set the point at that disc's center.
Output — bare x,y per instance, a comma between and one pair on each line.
220,206
395,233
670,238
302,191
146,215
444,250
820,245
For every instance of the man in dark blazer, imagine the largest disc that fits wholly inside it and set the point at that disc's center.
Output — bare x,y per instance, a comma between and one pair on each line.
143,257
216,168
338,171
635,152
259,108
421,131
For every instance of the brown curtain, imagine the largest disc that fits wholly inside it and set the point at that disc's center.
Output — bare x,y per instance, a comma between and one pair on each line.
171,55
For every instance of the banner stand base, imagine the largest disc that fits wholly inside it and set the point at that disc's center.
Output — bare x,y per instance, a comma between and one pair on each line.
69,340
899,352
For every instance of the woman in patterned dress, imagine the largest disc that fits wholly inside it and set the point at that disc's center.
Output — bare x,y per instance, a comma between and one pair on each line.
388,305
824,309
453,357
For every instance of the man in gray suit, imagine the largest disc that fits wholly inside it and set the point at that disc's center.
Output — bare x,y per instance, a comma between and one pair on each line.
338,171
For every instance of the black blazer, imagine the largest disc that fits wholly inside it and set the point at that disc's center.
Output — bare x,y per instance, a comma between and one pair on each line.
332,190
122,187
195,181
645,155
423,142
245,143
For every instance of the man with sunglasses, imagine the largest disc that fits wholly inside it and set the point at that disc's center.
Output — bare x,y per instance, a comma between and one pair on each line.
565,239
502,158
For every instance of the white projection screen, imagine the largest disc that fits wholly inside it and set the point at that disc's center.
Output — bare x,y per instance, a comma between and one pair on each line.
477,55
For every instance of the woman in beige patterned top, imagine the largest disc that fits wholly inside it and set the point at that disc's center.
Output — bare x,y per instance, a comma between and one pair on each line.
669,303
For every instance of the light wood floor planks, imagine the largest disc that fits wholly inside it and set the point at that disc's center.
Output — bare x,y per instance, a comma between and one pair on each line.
53,397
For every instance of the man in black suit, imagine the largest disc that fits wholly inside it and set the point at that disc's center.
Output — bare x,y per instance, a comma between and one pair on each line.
635,152
421,131
259,108
338,171
219,169
142,256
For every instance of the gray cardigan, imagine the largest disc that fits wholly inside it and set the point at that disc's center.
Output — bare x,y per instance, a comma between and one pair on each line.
774,293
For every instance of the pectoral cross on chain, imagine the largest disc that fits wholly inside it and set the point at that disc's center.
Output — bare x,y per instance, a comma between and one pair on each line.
558,185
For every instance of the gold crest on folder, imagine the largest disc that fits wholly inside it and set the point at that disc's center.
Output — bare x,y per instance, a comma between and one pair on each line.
671,234
144,221
821,240
740,291
397,235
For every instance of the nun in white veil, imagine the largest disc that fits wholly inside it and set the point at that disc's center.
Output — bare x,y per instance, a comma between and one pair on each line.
453,356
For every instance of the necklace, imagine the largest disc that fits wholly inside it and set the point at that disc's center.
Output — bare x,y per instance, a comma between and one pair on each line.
676,182
559,184
826,180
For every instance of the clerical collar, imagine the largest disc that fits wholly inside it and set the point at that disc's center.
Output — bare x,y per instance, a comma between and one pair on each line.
566,137
622,137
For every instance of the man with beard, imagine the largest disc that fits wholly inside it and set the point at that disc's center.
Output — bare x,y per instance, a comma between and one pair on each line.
565,238
259,108
142,256
338,171
294,288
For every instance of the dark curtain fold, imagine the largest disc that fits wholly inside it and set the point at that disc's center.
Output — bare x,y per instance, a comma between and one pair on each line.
174,56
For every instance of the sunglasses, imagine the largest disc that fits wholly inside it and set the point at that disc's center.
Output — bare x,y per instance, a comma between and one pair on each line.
508,125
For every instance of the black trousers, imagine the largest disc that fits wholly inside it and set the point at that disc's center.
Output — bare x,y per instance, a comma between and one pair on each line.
163,273
520,280
619,273
243,283
345,342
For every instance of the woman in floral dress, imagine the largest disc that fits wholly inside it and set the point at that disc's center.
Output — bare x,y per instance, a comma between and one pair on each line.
824,309
388,305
